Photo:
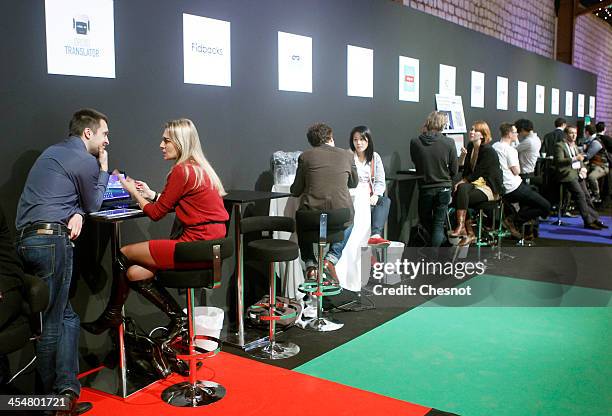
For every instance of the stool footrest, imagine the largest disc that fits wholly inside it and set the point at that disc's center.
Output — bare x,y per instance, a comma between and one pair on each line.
202,353
313,288
258,310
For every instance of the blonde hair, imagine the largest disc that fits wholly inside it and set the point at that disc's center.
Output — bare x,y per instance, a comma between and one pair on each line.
184,136
436,121
483,128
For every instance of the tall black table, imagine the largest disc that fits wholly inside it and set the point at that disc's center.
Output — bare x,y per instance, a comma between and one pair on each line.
403,191
115,381
240,199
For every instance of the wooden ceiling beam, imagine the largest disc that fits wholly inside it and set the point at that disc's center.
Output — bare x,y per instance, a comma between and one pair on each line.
593,8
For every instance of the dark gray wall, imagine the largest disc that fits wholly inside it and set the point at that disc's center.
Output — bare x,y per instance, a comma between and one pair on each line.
241,126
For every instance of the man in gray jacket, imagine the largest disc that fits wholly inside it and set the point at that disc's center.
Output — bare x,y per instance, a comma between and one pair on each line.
322,179
434,157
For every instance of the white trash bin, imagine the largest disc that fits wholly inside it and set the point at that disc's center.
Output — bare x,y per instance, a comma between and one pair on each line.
394,253
208,321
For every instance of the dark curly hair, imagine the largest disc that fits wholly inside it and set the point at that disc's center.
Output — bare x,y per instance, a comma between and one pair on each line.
318,134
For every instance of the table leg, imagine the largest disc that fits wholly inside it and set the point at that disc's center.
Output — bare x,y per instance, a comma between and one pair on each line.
115,380
240,338
115,247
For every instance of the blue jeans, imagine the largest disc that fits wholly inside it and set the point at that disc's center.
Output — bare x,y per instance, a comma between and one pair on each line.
50,258
433,207
333,254
380,212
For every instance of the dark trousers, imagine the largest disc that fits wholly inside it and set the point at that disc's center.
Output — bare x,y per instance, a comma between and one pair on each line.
468,196
580,193
433,207
50,258
533,205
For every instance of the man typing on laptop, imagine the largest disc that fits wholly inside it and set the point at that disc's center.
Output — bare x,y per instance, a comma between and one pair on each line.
67,181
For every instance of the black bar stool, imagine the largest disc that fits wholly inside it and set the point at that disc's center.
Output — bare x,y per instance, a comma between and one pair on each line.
321,227
496,233
559,222
207,257
523,242
272,251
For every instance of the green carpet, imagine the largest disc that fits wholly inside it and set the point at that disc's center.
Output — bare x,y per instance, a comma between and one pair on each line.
487,360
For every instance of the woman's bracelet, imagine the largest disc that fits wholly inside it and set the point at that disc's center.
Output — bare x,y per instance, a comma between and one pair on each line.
156,197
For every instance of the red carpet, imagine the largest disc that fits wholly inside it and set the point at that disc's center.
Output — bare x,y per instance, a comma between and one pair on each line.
259,389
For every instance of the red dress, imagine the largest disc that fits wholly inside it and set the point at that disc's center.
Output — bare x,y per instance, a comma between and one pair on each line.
193,207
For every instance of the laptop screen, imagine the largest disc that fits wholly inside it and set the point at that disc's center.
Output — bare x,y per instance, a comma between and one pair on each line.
114,190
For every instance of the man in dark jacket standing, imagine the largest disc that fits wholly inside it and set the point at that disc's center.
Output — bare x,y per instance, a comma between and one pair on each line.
554,137
435,157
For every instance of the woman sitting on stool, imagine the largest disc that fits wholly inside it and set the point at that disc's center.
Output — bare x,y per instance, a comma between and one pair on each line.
482,179
193,190
371,178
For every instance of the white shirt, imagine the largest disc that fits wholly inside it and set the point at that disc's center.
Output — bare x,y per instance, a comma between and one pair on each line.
508,156
528,152
363,171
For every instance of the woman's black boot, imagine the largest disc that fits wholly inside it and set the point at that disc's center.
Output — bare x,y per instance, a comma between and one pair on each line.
120,289
159,296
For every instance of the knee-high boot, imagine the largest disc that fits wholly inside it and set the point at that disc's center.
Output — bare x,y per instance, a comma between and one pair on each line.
159,296
460,229
470,237
120,289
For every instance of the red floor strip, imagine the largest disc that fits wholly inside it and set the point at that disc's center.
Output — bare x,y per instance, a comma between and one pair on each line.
258,389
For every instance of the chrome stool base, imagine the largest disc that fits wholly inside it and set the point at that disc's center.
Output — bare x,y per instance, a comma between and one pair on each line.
324,324
275,350
185,394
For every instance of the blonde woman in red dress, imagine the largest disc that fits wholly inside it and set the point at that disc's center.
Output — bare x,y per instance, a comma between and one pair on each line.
194,192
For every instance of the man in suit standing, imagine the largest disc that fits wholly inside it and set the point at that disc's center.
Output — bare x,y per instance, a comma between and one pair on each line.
322,179
572,173
555,136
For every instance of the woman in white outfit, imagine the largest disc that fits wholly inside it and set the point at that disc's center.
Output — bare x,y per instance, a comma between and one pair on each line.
372,180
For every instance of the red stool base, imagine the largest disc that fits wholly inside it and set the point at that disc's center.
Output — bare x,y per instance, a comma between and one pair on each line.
201,393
